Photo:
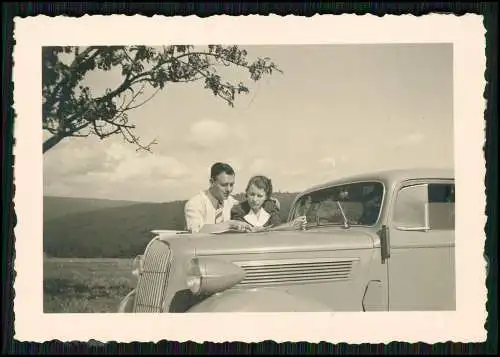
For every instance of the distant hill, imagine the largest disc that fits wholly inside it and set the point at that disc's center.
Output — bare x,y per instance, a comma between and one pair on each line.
54,206
120,231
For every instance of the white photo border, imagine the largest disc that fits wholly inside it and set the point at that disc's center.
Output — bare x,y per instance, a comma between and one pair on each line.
466,324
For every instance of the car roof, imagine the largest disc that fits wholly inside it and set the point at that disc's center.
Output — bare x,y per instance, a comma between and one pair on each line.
388,176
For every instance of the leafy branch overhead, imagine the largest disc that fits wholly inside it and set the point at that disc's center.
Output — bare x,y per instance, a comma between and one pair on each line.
73,109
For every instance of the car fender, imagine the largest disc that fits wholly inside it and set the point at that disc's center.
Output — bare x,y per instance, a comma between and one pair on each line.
257,300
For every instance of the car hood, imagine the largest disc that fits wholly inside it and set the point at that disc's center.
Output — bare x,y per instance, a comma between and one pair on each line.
282,241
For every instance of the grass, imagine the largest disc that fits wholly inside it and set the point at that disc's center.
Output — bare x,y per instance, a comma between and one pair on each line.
85,285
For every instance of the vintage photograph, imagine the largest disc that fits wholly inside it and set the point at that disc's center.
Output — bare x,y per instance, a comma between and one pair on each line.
245,178
249,179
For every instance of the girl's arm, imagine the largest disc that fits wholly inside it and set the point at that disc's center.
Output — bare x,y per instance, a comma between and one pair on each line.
296,224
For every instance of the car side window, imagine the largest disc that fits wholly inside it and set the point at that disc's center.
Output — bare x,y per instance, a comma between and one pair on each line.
425,207
441,205
409,208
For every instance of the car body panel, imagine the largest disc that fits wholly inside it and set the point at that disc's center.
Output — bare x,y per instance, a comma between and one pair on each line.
326,267
257,300
422,263
306,253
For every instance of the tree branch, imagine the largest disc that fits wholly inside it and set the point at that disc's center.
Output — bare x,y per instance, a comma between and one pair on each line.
67,113
145,101
219,94
51,142
132,139
77,61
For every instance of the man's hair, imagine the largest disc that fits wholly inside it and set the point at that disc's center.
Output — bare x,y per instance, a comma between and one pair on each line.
263,183
220,167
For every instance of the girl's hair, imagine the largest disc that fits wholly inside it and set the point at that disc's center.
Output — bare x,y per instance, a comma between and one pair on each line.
263,183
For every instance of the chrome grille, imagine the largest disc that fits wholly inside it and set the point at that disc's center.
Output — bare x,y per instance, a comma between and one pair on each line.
152,282
279,272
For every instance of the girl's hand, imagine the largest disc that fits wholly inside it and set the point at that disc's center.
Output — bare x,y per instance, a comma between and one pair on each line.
258,229
240,226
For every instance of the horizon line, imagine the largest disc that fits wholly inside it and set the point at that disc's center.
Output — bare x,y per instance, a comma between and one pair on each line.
136,201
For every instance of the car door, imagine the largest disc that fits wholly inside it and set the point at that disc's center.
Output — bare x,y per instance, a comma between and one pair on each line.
422,246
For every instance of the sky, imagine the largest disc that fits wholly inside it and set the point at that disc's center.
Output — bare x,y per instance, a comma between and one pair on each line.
336,110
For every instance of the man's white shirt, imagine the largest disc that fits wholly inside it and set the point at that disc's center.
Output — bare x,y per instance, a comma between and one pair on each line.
199,211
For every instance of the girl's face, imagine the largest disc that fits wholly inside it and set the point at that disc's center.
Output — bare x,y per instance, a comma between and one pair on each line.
256,197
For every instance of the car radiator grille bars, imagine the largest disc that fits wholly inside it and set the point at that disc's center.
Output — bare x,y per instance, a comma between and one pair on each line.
153,279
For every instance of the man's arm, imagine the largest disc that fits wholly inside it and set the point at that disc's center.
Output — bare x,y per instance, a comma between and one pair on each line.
194,215
195,220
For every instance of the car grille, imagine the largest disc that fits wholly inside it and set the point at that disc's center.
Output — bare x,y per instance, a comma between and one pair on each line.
152,283
281,272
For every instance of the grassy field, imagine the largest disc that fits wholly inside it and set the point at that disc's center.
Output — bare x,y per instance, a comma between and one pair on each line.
85,285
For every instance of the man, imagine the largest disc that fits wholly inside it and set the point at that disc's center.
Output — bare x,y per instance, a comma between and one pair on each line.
210,210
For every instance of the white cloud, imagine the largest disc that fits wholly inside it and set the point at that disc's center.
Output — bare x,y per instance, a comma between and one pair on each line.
82,169
151,166
328,162
295,172
207,133
71,158
414,138
121,162
257,166
411,139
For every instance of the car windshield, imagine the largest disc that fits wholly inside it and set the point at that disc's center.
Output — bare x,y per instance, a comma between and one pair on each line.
349,204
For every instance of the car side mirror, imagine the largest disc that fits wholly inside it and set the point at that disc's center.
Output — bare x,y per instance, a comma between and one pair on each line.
385,243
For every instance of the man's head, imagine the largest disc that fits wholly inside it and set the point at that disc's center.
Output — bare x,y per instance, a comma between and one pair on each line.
221,180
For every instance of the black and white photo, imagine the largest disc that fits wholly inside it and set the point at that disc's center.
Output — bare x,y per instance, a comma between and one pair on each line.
268,177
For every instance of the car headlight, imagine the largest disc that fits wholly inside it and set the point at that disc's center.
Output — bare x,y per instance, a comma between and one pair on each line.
193,279
137,266
209,275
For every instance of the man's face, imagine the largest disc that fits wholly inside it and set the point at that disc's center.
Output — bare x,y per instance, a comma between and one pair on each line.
222,186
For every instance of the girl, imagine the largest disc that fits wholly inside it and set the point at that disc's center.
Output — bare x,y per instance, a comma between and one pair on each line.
259,210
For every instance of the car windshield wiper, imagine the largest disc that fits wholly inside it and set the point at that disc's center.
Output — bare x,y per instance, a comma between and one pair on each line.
346,223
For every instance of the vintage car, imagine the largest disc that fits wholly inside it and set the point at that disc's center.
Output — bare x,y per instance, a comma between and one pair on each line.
381,241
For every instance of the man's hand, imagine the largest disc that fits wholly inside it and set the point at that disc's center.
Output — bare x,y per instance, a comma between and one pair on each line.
225,226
